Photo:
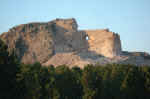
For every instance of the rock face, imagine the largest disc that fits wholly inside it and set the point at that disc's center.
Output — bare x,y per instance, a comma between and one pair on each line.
60,42
104,42
31,42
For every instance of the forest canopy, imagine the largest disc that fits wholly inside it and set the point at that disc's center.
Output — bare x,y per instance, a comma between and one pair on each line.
34,81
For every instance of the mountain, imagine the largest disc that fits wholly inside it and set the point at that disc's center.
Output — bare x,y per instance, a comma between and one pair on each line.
60,42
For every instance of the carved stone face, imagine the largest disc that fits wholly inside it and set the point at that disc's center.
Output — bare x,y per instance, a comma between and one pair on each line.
103,42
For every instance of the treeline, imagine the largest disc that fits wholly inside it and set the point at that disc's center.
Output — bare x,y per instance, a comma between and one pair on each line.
112,81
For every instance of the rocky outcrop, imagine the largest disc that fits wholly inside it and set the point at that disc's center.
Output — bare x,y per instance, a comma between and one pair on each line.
37,42
60,42
104,42
32,42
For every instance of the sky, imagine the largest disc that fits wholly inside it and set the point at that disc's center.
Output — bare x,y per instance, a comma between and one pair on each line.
129,18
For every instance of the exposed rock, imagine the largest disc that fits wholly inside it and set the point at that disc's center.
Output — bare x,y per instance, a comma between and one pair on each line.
70,59
60,42
39,41
31,42
104,42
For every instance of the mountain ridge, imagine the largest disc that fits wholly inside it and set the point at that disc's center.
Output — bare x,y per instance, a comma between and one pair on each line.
59,39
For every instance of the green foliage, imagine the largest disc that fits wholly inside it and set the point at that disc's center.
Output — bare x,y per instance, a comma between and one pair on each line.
133,84
33,81
91,83
8,69
145,71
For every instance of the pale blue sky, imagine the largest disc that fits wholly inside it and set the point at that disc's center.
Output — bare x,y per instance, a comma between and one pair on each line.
129,18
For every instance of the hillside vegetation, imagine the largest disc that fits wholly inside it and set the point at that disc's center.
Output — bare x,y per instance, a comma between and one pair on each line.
33,81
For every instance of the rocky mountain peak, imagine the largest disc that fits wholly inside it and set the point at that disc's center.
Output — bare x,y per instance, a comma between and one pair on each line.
68,24
60,39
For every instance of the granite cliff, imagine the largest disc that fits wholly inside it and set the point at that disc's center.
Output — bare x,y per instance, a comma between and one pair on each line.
60,42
